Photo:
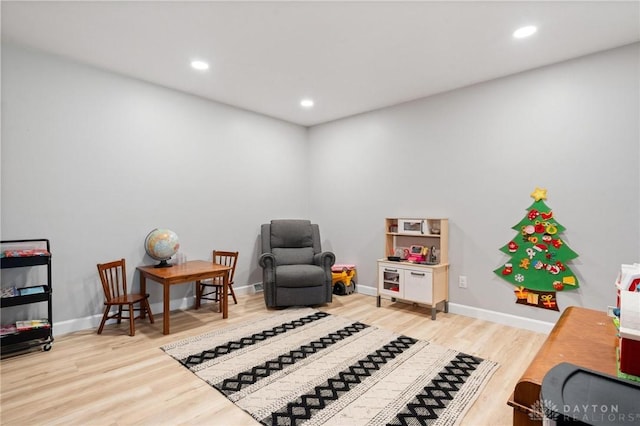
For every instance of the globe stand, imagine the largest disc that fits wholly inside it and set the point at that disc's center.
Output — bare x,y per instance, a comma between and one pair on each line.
163,264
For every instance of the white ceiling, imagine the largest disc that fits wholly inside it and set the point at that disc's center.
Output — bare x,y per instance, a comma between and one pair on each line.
350,56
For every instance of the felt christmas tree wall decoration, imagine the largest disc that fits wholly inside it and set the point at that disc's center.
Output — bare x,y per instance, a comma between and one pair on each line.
538,257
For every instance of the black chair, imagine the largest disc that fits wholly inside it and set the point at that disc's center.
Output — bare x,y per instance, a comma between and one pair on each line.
295,270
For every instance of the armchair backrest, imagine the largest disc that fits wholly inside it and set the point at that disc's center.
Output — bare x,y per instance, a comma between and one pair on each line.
291,241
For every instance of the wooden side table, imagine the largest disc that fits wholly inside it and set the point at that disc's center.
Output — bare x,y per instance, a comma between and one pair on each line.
581,336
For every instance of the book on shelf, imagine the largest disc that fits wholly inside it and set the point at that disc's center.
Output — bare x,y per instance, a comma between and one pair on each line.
9,292
25,291
24,252
8,329
31,324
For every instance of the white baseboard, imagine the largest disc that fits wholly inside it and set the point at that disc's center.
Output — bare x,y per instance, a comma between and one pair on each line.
484,314
501,318
63,327
369,291
77,324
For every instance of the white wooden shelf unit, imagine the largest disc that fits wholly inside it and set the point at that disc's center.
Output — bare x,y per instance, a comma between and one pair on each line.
419,281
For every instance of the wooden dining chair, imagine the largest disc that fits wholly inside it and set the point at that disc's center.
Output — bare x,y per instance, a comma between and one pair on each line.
211,289
113,276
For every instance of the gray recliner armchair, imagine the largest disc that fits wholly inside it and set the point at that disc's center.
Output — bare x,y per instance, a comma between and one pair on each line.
295,270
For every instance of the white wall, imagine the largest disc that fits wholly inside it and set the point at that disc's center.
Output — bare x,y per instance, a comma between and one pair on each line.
474,155
94,161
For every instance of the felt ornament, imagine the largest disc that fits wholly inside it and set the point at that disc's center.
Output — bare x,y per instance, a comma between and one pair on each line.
508,269
548,215
551,229
539,194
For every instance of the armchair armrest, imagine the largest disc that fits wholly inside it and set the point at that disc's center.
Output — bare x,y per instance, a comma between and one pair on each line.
268,263
326,259
267,260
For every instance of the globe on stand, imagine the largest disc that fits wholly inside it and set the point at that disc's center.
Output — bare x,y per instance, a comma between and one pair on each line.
160,245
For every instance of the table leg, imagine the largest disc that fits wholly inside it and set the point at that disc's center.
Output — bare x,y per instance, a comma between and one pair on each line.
196,290
166,298
143,290
224,298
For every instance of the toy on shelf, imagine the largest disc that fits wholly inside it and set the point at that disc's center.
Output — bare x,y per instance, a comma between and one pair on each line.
417,254
630,332
628,279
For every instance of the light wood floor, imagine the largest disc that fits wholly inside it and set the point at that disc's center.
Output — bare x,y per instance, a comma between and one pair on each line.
114,379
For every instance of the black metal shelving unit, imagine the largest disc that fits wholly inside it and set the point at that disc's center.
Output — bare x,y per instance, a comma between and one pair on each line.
42,336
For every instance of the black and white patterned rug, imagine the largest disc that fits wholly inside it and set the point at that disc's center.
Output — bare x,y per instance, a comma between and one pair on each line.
303,366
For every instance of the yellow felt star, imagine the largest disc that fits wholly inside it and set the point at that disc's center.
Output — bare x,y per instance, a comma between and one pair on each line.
539,194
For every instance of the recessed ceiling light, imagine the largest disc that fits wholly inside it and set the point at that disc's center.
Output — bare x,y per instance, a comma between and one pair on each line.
306,103
525,31
200,65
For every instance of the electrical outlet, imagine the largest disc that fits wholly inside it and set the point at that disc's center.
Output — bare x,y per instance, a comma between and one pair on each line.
462,281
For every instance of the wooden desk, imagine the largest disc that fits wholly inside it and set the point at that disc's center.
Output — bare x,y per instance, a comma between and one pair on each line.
583,337
183,273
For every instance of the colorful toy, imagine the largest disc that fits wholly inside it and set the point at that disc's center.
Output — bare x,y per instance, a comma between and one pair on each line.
343,279
628,279
630,332
417,254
